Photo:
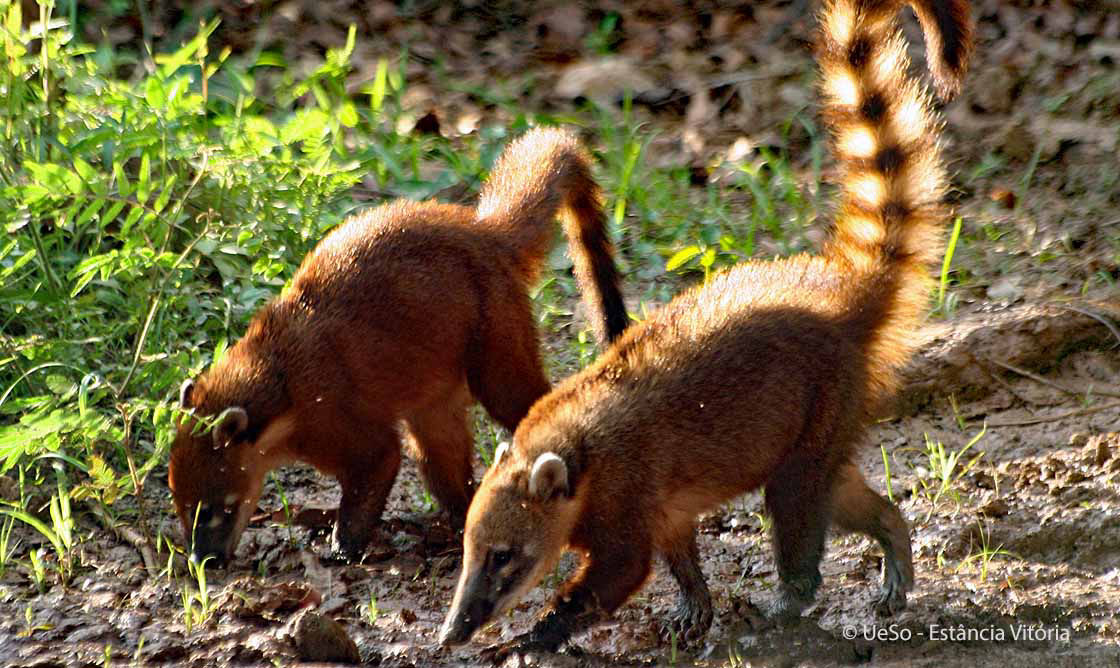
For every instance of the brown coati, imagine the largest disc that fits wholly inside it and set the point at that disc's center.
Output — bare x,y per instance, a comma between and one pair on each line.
393,325
766,376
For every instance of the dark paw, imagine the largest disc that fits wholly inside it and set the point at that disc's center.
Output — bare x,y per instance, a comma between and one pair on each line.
892,600
348,548
892,595
788,606
689,622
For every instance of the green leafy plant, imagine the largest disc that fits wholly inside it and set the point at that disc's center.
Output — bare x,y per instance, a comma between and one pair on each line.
985,555
30,627
887,472
945,469
286,506
946,303
60,533
198,606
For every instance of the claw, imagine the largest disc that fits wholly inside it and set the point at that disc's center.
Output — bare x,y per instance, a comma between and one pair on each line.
689,622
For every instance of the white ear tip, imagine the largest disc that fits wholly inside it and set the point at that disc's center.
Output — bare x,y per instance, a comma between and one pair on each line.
551,470
500,452
547,459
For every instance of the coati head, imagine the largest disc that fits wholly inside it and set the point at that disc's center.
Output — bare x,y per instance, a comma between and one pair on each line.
517,527
218,462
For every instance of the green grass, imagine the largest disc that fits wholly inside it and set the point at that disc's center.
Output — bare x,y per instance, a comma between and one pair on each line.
983,557
944,469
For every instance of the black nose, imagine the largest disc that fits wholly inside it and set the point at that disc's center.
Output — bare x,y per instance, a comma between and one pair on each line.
465,619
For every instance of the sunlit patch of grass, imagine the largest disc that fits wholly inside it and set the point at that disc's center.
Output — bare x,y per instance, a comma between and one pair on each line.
983,557
945,468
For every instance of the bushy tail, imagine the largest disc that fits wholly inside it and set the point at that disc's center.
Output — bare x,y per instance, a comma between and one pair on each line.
889,220
544,173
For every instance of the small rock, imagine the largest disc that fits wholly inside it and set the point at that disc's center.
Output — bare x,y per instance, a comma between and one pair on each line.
319,638
408,616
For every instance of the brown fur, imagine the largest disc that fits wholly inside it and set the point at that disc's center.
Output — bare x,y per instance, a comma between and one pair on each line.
767,376
397,321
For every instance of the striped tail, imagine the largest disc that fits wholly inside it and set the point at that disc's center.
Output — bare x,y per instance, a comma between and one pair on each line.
887,230
544,173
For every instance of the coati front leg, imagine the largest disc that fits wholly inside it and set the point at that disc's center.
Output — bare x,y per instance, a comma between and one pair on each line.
693,615
611,572
858,508
442,442
365,483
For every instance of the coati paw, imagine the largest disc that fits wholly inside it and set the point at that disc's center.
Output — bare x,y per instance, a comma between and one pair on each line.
789,605
892,600
892,595
689,622
347,549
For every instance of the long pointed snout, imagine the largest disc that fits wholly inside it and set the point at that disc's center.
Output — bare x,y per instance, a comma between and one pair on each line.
472,607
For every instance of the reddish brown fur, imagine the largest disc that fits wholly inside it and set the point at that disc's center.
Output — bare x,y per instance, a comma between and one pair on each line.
765,376
397,320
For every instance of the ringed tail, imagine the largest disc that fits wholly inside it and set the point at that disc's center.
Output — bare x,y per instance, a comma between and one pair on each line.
889,220
543,173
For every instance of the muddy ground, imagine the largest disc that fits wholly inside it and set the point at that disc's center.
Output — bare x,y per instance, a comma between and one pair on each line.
1025,541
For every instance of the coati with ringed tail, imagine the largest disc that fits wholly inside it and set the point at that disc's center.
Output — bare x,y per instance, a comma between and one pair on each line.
396,321
766,376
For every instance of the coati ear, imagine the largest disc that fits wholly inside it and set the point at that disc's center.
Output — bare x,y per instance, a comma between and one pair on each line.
231,422
185,392
500,451
549,477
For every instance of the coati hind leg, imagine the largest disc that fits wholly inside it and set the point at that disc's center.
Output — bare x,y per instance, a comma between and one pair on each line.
858,508
798,497
504,371
441,439
693,615
365,483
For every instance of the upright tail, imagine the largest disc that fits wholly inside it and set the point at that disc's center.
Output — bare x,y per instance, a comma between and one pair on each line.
893,181
541,174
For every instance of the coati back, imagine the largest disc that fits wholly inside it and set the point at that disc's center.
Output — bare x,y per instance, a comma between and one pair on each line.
401,317
765,376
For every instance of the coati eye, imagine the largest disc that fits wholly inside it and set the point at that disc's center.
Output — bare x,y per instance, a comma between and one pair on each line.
501,557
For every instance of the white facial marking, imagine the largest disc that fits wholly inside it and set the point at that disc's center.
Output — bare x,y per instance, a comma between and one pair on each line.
230,499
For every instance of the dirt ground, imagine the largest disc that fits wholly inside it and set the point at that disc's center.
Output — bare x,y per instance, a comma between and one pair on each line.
1017,562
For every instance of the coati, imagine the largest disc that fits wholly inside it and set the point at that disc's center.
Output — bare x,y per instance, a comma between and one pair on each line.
766,376
393,325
